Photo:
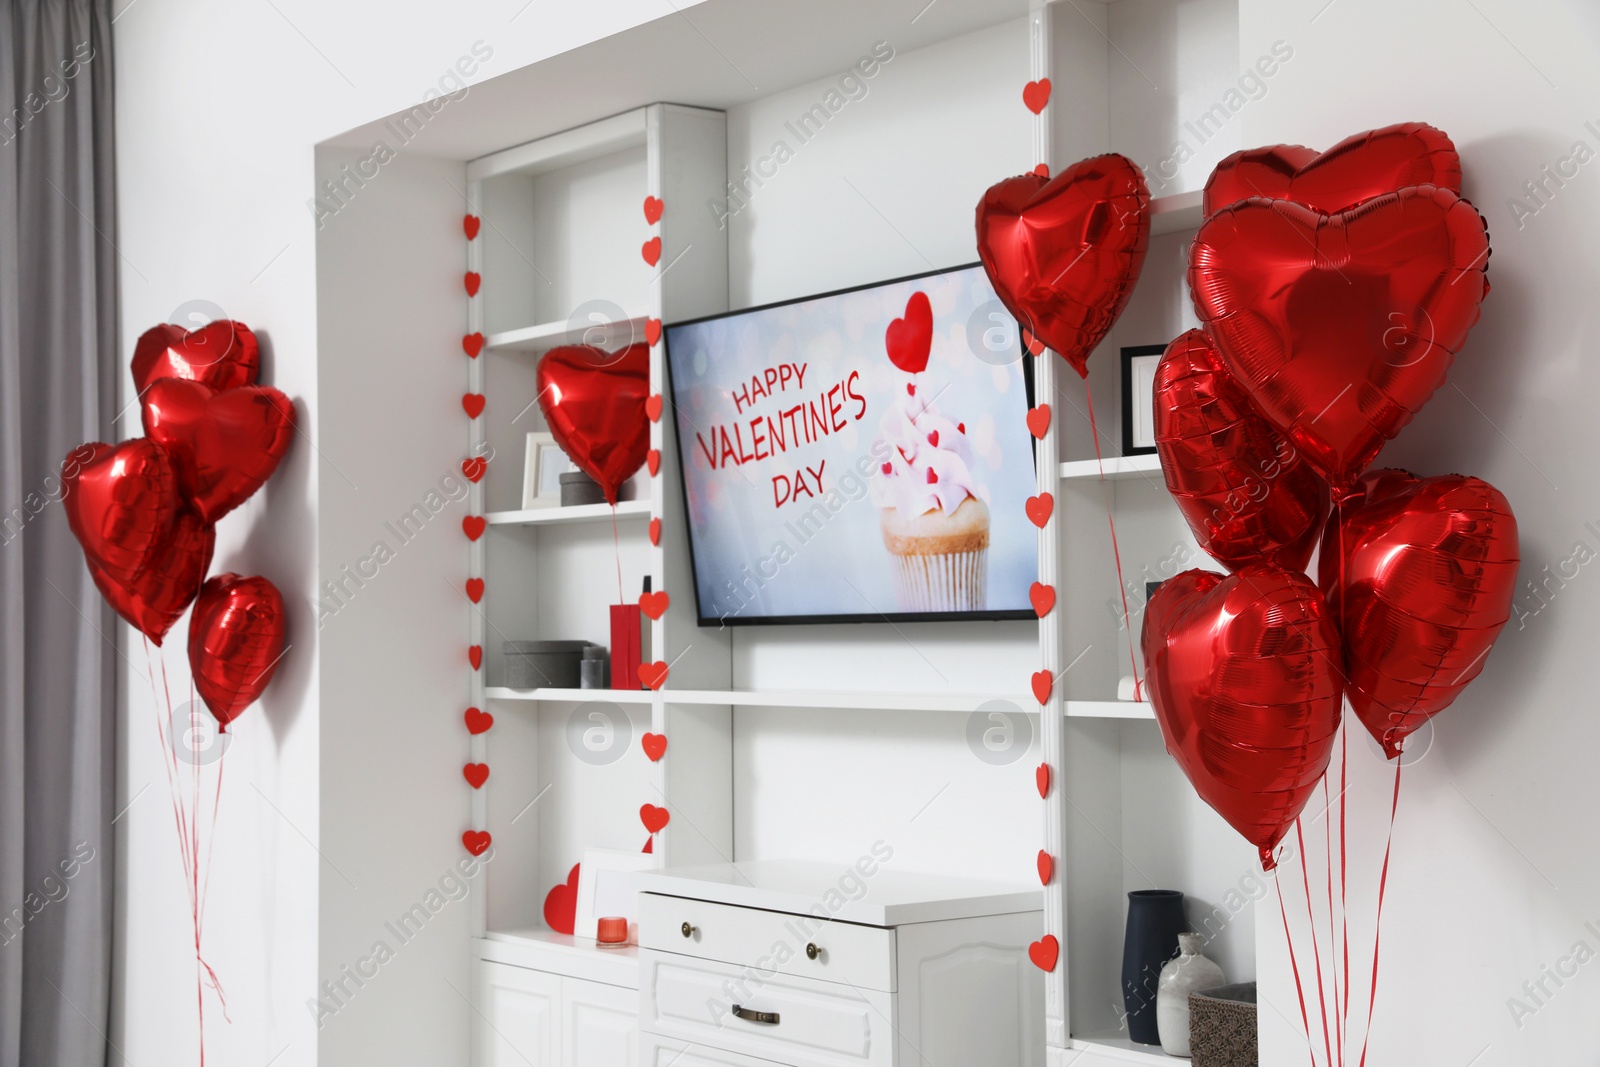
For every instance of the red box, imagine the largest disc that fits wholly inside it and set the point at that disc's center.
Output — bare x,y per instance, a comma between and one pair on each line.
625,646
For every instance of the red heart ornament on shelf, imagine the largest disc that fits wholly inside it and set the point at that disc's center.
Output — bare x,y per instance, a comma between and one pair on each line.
654,674
472,344
654,745
475,589
1043,598
1039,420
561,904
593,401
1041,779
655,531
654,604
1358,168
478,721
224,446
1063,254
472,280
1429,572
910,339
1039,509
1043,682
469,225
652,331
1244,674
1247,495
651,250
475,774
1044,952
473,526
473,468
1035,95
236,641
472,404
653,207
1340,327
222,354
475,656
477,842
1047,867
655,819
652,407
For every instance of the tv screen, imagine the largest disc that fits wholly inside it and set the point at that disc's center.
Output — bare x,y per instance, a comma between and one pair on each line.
859,456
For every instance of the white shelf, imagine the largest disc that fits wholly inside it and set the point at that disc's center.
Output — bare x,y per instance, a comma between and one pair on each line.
558,516
1116,467
547,335
553,953
1118,1047
1110,709
1176,213
868,701
552,695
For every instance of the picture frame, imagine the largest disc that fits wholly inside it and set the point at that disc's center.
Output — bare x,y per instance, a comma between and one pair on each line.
1139,364
606,886
543,464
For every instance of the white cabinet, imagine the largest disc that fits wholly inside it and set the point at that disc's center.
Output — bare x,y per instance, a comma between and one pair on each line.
528,1018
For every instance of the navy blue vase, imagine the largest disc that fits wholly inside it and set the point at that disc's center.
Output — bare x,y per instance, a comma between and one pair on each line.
1155,919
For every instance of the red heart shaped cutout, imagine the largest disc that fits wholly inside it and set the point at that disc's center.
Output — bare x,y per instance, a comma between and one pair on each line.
475,656
475,589
1340,327
224,446
472,344
1247,495
1034,346
470,224
651,250
1044,952
1043,682
1063,255
477,842
652,331
472,404
1039,420
222,354
1356,169
1047,867
655,819
1429,574
1041,779
1043,598
473,526
655,531
478,721
655,746
236,641
654,604
1035,95
593,401
473,468
1042,170
652,459
653,674
1244,674
652,407
909,339
472,280
561,904
652,210
1039,509
475,774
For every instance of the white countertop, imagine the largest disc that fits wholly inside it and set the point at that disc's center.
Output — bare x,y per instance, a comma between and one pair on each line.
874,895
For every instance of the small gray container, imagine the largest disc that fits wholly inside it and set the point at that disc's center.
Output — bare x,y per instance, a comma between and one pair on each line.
578,488
543,664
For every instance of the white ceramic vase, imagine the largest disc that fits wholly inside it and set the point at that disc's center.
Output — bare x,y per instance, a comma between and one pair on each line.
1188,972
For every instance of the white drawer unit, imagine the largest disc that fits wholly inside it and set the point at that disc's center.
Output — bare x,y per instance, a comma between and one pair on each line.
770,964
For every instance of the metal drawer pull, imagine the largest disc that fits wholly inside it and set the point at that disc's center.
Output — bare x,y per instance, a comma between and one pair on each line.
750,1015
812,951
688,929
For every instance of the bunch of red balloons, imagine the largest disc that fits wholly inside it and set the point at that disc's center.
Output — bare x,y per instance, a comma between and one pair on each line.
144,510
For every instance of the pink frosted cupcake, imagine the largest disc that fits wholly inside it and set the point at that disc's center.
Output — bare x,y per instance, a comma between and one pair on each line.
935,524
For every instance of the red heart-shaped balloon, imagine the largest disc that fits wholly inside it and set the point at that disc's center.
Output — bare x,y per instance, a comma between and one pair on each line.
478,721
1358,168
654,745
593,401
1063,254
155,598
1244,674
1340,327
222,354
1421,589
476,842
224,445
653,675
1247,495
475,774
1044,952
655,819
236,639
121,501
910,339
561,904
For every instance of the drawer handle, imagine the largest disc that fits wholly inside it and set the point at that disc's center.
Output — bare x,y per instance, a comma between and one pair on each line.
688,929
812,951
750,1015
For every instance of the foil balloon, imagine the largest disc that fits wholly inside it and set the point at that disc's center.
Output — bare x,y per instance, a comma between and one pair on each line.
154,598
1247,495
1063,253
1340,327
1420,575
1356,169
235,642
1243,671
221,354
594,401
224,445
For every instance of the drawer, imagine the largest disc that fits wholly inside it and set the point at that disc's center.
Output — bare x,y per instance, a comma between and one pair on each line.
665,1052
770,942
810,1023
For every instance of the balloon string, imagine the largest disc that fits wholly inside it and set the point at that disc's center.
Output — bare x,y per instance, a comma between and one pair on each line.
1316,946
211,848
1344,867
1116,552
616,548
1377,933
1333,939
1294,964
161,739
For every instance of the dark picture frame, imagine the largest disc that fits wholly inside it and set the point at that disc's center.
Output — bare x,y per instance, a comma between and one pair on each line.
1138,373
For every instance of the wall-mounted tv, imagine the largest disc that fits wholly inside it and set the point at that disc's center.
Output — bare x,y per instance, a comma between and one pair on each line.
858,456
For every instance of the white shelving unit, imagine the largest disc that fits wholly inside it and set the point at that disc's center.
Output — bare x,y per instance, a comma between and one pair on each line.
573,513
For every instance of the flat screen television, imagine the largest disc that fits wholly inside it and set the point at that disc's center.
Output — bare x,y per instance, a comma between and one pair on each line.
825,481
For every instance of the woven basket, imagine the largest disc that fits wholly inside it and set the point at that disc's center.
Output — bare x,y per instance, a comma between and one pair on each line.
1222,1027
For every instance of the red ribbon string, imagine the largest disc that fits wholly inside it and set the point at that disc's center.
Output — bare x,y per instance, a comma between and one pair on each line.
1377,933
616,547
1344,867
1116,553
1316,947
1294,964
1333,940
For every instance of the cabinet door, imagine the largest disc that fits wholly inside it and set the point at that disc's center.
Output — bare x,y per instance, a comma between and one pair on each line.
516,1023
599,1024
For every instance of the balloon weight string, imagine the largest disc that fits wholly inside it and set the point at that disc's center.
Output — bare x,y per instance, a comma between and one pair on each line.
616,548
168,761
1294,965
1116,552
1316,946
1377,933
1333,937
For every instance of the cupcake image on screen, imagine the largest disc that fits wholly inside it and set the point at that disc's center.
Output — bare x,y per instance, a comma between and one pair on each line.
935,519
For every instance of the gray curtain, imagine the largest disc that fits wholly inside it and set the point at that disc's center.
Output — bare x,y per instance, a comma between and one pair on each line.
58,657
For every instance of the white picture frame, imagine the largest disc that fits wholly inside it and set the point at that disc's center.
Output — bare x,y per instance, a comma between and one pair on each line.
607,886
543,463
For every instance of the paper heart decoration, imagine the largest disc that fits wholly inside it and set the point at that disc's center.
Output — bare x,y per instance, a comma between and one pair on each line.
1039,420
649,845
222,354
1047,867
475,589
1356,169
1043,598
475,656
1044,952
655,531
1247,495
475,774
477,842
473,526
1340,327
652,331
909,339
1042,170
654,604
652,459
1041,779
1035,95
1034,346
472,404
561,904
1039,509
1042,683
472,280
1063,254
1426,583
472,344
651,250
478,721
655,819
224,445
473,468
593,401
652,407
1244,674
470,224
652,210
654,674
236,641
655,746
